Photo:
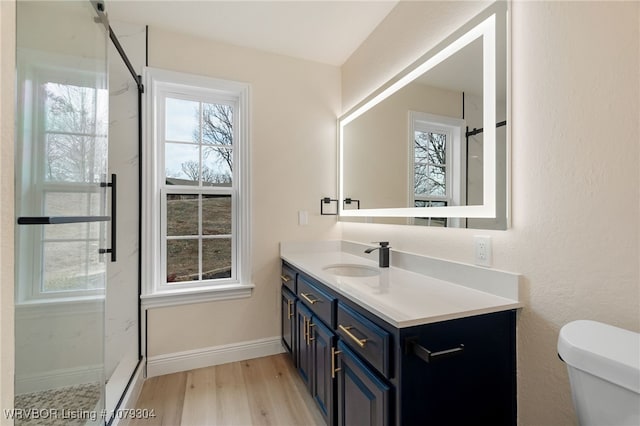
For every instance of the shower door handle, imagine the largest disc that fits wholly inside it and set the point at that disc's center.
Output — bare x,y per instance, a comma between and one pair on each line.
111,185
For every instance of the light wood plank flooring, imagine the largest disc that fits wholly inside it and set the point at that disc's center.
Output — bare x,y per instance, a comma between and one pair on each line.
261,391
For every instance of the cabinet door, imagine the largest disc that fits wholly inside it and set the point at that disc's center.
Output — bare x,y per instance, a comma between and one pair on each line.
322,383
304,358
288,307
363,398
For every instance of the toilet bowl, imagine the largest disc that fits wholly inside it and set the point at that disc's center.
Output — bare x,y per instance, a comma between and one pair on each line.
604,371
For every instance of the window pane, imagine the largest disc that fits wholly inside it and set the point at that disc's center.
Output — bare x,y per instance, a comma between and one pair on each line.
421,185
102,107
182,120
216,258
216,214
73,158
437,181
217,124
72,204
421,144
217,166
72,266
182,260
69,108
182,164
182,214
428,203
437,148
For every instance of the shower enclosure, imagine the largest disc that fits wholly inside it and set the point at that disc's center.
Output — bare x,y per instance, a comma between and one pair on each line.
70,299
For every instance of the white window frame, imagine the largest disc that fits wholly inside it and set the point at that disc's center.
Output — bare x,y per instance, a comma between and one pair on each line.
455,169
39,68
160,84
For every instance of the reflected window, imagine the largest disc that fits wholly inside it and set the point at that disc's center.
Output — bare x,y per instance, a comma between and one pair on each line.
431,163
437,173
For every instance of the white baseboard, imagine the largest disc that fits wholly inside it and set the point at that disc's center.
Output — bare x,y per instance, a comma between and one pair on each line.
214,355
58,378
133,392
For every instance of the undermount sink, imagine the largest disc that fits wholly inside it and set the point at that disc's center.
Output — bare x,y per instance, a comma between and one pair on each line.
352,270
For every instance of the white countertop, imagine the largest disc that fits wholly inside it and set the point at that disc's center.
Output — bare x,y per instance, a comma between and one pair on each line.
400,297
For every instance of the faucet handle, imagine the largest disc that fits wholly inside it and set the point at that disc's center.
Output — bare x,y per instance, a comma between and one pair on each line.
382,243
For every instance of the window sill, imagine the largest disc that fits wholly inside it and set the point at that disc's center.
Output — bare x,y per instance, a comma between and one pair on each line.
187,297
66,306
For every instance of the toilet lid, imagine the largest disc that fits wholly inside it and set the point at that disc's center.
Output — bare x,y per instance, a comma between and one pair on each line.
602,350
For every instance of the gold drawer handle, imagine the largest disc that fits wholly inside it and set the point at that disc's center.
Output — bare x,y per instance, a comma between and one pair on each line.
309,338
359,342
285,278
289,310
334,370
308,299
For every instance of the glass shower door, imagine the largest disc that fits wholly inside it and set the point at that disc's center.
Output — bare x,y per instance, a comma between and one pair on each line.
61,166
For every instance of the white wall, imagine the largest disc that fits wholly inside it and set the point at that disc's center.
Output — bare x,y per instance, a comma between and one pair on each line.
294,105
7,91
576,203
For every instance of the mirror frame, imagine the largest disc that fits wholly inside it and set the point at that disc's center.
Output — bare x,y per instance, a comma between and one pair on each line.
482,25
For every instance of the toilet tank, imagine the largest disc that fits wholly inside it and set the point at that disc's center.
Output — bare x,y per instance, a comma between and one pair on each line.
604,371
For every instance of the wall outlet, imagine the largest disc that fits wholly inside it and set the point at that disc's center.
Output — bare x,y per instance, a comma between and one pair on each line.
482,245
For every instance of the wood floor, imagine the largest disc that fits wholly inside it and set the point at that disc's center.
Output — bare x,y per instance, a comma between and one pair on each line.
262,391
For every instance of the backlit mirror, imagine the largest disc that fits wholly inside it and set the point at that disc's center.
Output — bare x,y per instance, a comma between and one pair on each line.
430,146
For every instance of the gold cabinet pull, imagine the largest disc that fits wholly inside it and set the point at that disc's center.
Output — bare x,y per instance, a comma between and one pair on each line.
346,330
308,299
334,370
289,310
306,329
309,338
285,278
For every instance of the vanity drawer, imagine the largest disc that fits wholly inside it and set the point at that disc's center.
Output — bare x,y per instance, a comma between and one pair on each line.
288,278
318,301
367,339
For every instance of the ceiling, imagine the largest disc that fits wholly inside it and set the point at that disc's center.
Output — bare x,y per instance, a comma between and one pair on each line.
323,31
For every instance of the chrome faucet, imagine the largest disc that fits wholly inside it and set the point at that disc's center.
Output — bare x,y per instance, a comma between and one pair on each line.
383,257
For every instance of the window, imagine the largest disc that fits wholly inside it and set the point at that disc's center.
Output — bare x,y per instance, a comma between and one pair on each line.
63,134
196,188
438,175
431,158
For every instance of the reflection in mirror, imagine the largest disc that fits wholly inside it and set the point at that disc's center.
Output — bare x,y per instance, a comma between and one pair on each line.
425,146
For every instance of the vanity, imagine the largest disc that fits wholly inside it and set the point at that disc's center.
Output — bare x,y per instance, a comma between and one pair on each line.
399,346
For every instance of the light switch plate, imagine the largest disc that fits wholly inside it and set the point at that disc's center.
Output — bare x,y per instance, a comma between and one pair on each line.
303,217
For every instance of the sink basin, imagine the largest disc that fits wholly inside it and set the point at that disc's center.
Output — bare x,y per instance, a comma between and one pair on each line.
352,270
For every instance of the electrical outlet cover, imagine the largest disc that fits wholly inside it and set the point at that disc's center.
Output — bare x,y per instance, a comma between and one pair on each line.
482,250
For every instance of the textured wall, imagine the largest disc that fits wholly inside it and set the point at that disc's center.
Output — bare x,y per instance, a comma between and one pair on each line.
575,160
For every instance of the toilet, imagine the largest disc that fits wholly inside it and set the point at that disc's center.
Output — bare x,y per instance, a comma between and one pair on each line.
604,371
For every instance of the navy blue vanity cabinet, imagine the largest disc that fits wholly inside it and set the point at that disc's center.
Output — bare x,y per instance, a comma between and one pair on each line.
288,278
363,398
458,372
322,341
303,354
361,370
317,313
288,311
